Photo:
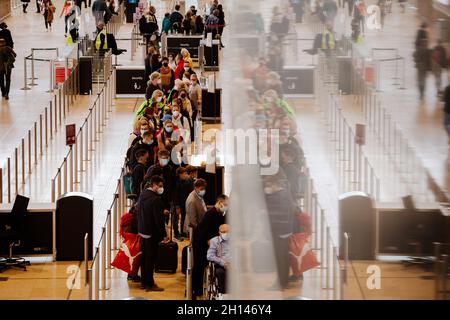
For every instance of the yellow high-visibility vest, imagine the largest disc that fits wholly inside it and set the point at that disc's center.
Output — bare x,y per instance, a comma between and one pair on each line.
332,42
98,40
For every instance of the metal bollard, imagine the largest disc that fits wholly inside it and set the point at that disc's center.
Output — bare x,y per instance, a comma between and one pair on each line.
51,120
89,286
327,258
35,143
86,258
55,101
25,85
104,287
23,161
71,169
59,182
335,274
16,170
9,179
97,274
65,174
108,239
115,231
46,126
40,132
53,196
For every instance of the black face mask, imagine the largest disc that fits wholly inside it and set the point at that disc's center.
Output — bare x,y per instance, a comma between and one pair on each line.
183,96
166,64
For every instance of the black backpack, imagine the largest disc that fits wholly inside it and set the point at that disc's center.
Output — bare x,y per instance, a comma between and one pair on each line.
130,150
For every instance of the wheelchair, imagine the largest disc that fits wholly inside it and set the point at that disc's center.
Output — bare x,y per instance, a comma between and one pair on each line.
210,283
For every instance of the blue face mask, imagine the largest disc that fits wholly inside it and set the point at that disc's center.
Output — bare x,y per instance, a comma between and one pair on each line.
169,129
150,142
164,162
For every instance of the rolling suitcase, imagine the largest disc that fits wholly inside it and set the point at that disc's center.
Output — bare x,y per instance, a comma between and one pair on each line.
167,261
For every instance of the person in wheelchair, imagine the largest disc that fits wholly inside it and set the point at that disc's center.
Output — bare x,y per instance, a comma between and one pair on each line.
219,254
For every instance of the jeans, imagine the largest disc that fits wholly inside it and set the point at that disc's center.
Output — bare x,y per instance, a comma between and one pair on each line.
5,81
148,260
176,228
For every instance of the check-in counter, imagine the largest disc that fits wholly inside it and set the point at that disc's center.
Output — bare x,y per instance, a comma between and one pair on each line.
130,81
396,227
39,236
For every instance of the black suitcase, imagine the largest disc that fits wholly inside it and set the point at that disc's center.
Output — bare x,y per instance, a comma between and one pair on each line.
184,259
167,260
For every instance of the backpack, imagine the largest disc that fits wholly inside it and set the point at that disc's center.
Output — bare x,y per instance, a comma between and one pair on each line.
130,150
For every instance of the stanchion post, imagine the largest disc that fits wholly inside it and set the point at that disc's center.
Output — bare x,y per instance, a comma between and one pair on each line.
53,196
35,144
8,164
40,133
97,274
16,170
23,161
71,169
103,258
115,203
327,258
86,258
108,239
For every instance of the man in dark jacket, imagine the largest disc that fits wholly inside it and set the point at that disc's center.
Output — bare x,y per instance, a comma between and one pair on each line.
147,143
183,188
207,229
164,169
139,170
152,230
280,208
176,19
6,34
422,58
7,58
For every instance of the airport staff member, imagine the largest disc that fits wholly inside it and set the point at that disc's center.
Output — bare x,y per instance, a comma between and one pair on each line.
101,42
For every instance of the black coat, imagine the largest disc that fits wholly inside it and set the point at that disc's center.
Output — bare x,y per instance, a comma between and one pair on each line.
151,215
209,226
6,34
168,174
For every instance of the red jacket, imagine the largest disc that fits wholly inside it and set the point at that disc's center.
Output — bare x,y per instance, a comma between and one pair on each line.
179,69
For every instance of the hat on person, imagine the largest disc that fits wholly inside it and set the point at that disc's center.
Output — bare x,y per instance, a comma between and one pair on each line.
166,117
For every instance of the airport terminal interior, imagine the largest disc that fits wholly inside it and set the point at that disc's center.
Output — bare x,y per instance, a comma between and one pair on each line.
218,150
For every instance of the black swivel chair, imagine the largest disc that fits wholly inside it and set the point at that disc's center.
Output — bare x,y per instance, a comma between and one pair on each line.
12,233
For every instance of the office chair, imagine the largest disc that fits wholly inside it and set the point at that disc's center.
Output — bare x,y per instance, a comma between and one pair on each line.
12,233
418,231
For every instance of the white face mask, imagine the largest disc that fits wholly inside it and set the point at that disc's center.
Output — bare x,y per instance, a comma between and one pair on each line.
176,114
159,81
160,191
223,208
225,236
201,193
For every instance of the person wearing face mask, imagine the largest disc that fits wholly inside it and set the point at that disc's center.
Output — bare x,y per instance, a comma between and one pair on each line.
164,169
206,230
167,76
219,254
153,85
151,228
175,92
167,135
136,135
155,103
182,123
147,143
281,210
172,63
195,211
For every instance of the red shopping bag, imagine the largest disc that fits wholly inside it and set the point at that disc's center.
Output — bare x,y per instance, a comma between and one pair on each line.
128,257
301,255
